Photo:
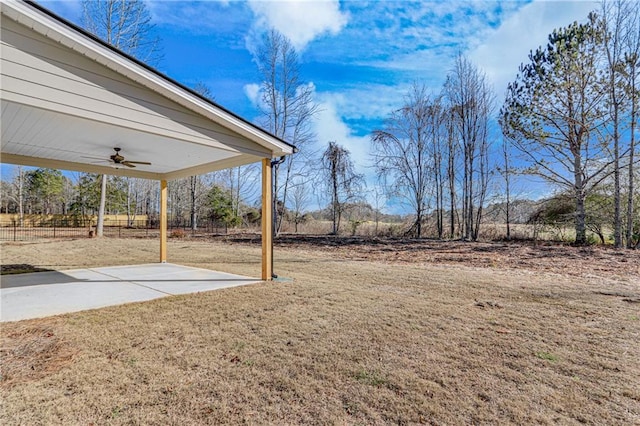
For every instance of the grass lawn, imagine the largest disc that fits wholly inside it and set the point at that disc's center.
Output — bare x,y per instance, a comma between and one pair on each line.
358,337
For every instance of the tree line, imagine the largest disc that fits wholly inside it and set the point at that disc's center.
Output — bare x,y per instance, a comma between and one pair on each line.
207,198
569,117
433,153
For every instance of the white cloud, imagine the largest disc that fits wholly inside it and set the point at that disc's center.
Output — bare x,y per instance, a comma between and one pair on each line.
300,21
502,51
418,41
252,91
328,124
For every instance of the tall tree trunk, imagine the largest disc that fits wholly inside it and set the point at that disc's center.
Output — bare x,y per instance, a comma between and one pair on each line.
437,160
452,188
507,179
634,113
617,218
438,185
21,195
278,218
471,194
580,225
236,196
613,17
467,209
103,200
581,230
132,201
285,191
193,188
377,219
334,196
482,190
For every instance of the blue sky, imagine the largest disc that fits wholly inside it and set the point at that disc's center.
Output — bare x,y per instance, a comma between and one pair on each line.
361,57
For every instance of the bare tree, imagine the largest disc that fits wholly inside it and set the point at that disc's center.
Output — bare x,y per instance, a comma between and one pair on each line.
195,195
7,197
378,204
186,200
300,199
132,188
204,90
471,101
632,76
402,154
341,181
126,25
506,172
452,147
20,194
67,196
287,107
102,206
242,183
612,26
437,120
12,195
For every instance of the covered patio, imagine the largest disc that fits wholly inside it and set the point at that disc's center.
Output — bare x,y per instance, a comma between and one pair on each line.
71,102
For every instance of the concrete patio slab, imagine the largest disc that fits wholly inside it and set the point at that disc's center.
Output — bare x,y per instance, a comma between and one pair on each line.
43,294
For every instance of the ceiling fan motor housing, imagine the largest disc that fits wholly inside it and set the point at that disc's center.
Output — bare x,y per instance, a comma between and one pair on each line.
119,159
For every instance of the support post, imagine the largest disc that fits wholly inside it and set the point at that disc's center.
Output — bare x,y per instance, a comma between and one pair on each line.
163,221
267,221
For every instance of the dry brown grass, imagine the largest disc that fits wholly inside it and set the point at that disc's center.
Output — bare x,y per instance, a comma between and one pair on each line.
347,342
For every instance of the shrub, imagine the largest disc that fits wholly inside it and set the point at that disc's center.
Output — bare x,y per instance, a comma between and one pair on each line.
178,233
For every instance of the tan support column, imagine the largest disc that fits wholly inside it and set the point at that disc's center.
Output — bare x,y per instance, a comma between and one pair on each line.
267,221
163,221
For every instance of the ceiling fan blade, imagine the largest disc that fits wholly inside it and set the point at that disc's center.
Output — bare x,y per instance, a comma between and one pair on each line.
128,164
144,163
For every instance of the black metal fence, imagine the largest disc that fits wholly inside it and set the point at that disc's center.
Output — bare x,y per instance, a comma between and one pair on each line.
65,228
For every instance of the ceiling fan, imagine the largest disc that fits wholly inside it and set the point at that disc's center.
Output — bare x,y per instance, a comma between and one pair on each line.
118,159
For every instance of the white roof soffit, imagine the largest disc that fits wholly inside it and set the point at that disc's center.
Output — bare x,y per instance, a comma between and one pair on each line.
74,38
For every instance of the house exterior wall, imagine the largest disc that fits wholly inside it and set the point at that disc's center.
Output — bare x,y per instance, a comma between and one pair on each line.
41,73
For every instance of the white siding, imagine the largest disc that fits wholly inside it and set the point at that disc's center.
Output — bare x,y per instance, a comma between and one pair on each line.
38,72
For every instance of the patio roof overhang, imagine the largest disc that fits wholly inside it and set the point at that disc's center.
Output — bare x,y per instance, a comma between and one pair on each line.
68,99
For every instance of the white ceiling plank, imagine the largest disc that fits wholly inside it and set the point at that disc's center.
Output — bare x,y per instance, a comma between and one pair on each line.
80,167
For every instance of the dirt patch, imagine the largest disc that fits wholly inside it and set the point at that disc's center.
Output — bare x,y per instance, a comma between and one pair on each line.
31,351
